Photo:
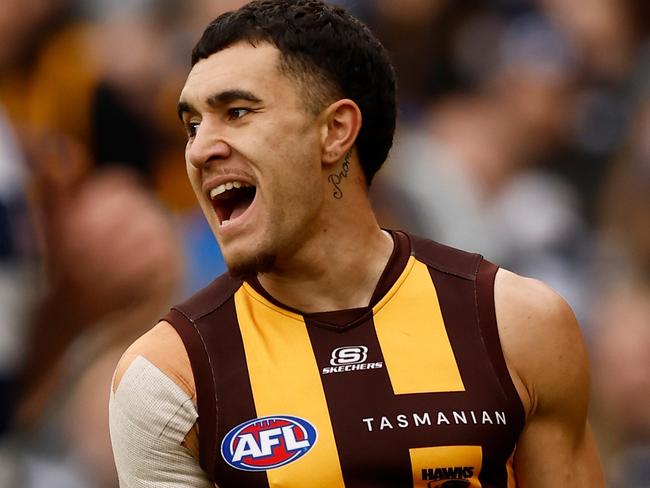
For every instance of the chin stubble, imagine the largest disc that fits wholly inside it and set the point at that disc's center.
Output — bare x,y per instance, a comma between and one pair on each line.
247,269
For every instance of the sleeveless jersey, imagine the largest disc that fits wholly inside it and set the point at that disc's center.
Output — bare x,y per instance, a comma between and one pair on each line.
411,391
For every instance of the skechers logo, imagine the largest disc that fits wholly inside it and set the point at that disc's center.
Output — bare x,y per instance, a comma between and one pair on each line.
350,358
454,477
268,442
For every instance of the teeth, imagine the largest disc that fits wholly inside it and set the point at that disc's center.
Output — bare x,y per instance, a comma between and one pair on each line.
229,185
225,222
217,191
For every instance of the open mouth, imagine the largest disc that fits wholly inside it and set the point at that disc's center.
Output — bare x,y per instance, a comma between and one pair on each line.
231,199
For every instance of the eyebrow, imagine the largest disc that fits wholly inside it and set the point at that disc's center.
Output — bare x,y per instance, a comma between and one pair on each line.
218,99
183,108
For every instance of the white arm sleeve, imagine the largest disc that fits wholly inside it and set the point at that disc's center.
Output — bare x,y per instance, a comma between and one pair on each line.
149,417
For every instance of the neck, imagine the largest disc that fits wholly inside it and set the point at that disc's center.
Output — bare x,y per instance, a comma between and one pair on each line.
338,267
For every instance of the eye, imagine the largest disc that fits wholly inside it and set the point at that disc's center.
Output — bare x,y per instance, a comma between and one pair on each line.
236,113
191,128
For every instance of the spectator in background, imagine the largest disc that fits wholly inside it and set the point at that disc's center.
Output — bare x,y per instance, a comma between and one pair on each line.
142,47
16,269
621,356
105,276
622,317
607,37
625,211
110,259
413,31
482,152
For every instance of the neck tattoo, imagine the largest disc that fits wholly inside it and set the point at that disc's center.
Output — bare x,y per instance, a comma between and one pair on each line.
335,179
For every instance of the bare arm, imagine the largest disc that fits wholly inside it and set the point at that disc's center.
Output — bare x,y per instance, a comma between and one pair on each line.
548,361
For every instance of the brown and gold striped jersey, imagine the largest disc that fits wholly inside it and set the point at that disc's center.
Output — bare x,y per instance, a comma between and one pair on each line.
411,391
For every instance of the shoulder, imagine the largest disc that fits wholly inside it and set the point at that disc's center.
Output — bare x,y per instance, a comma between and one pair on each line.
163,349
153,389
152,413
542,344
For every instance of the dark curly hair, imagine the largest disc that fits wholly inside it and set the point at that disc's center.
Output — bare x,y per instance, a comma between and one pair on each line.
331,55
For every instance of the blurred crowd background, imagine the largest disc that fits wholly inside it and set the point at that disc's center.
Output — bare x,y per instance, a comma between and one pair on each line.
524,134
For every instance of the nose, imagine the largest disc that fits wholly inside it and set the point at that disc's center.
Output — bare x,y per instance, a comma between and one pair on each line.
208,145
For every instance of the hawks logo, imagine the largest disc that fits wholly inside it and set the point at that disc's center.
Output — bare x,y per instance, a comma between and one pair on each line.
452,477
268,442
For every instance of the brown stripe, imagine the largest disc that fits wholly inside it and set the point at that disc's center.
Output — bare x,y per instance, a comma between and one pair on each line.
235,403
457,297
489,329
210,298
444,258
396,263
366,460
486,316
204,382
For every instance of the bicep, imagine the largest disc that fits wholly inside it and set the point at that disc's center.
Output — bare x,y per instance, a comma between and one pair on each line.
554,453
149,418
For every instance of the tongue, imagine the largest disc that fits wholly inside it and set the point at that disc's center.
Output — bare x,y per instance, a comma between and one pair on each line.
239,209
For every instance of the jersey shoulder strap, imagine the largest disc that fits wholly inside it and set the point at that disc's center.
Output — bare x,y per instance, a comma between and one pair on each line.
186,320
445,259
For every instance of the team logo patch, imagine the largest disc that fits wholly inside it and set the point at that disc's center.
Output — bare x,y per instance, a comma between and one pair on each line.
452,477
268,442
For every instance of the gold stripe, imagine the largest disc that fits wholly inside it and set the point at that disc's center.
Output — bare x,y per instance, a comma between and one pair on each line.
413,338
285,380
446,462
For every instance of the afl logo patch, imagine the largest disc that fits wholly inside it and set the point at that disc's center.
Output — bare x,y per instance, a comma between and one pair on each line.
268,442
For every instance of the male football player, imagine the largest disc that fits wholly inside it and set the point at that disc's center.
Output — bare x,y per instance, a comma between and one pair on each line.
336,353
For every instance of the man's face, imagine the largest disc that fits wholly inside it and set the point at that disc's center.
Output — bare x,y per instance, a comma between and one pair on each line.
253,156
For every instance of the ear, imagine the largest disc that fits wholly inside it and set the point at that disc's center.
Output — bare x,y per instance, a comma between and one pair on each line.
341,125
